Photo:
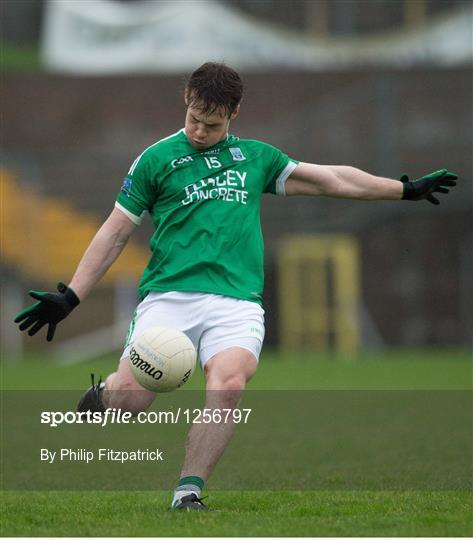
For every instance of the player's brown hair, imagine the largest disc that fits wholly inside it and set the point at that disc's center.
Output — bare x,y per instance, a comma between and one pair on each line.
214,85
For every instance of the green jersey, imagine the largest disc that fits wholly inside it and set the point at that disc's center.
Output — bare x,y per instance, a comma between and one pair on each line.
205,206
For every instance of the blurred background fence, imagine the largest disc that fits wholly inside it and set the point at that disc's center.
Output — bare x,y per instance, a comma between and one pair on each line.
68,140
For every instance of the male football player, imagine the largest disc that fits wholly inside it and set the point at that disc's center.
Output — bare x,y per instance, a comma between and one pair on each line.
202,187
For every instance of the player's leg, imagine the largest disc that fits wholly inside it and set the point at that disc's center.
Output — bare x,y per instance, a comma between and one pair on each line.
229,350
226,376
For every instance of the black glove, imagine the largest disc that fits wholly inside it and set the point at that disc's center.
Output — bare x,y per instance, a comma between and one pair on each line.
423,187
51,309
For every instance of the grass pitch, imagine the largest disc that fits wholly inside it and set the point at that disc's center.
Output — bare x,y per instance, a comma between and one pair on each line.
254,513
239,514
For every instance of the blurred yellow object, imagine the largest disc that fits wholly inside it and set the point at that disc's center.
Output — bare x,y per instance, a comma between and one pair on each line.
45,237
319,290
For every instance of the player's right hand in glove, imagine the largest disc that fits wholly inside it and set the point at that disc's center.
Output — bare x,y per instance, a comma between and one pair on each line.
424,187
51,309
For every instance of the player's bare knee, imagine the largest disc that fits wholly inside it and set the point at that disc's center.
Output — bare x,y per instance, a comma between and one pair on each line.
225,392
231,366
230,383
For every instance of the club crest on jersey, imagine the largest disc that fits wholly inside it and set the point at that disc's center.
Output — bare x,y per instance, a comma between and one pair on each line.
125,189
237,154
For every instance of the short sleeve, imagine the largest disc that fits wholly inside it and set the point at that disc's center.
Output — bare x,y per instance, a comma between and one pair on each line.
279,167
137,194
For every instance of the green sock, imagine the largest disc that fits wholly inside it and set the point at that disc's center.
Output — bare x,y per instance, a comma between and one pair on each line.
191,481
186,485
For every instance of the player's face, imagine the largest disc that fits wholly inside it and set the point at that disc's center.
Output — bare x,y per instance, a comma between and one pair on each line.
204,130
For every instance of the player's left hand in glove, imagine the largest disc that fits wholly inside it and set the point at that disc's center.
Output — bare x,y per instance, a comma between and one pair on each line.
51,309
424,187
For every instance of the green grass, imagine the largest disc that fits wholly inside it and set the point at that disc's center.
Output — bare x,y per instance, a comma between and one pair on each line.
412,370
239,514
254,513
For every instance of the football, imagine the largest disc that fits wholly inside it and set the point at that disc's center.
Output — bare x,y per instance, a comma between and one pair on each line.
162,359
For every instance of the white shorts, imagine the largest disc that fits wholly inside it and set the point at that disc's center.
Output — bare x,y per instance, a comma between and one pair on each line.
211,321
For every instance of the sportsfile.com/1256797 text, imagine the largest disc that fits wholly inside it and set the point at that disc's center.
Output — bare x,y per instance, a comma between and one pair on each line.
117,416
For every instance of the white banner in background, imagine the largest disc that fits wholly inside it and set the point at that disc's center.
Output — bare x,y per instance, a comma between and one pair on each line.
109,37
